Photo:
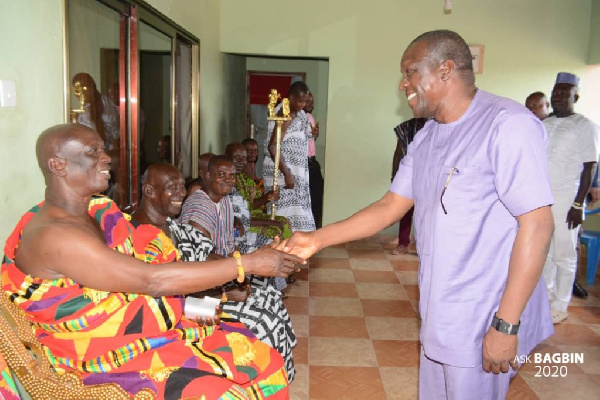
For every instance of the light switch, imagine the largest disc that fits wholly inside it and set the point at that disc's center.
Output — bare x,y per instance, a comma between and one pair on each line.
8,94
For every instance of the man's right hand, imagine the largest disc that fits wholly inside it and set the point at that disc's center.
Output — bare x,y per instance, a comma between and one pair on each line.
302,244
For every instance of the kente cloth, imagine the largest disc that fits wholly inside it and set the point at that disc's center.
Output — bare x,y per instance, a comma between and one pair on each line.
263,312
250,191
8,388
294,204
138,341
216,218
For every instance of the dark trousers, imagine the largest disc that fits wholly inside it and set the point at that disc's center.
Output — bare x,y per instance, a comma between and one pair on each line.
316,183
404,231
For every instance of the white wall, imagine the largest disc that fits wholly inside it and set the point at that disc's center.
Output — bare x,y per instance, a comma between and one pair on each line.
527,43
32,57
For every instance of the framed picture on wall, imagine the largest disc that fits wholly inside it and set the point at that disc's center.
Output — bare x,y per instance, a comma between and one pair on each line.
477,51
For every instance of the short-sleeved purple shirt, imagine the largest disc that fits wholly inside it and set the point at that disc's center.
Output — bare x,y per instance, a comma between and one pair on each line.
496,153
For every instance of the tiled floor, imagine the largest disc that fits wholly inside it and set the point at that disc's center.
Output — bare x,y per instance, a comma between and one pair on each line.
354,311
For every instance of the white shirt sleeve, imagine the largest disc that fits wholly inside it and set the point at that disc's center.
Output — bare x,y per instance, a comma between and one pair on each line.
589,140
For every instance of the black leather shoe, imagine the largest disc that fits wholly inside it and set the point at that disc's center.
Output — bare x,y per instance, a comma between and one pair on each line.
579,291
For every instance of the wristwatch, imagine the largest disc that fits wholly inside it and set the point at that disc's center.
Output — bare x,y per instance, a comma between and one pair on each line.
505,327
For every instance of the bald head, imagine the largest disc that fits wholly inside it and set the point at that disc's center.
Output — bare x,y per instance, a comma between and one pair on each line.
75,152
155,172
52,141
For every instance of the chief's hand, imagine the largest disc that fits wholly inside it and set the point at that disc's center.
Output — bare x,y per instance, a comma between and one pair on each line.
302,244
208,321
268,261
574,218
499,351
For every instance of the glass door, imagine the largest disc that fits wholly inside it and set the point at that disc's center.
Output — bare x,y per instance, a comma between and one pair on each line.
132,76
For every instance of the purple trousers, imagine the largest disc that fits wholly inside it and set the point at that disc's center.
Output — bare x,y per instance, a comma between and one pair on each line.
440,381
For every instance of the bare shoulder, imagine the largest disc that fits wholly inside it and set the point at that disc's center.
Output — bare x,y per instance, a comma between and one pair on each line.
46,243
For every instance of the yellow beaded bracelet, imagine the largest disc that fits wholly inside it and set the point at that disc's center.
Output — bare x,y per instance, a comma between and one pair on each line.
241,272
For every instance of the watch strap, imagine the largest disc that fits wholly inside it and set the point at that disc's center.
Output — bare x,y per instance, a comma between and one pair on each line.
505,327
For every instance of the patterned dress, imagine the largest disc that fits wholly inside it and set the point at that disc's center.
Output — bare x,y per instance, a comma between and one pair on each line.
137,341
294,204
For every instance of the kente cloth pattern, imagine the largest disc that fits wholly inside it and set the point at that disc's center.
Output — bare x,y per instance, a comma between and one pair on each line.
294,204
138,341
250,191
8,388
263,312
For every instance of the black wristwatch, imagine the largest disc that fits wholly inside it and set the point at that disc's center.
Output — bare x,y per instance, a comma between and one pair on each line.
505,327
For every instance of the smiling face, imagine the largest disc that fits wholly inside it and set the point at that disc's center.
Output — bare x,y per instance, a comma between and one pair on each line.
88,166
169,190
420,81
563,99
220,179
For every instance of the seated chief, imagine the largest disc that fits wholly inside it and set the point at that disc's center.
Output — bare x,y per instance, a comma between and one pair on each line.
100,305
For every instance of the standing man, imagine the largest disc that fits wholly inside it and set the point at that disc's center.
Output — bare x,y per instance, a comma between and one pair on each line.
477,176
572,159
539,105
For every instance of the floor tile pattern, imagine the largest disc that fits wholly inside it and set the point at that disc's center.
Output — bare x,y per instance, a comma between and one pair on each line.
354,310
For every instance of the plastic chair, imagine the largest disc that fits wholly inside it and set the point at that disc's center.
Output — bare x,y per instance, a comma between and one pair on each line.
591,240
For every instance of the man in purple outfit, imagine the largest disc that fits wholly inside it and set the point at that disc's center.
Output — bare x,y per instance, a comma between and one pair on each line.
478,178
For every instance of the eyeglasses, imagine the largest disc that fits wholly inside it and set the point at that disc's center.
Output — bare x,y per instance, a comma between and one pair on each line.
452,170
